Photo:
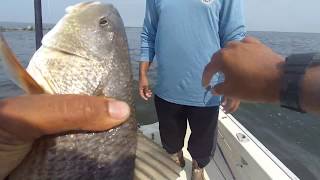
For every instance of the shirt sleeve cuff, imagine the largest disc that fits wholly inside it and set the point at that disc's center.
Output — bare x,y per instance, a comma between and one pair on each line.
147,55
238,37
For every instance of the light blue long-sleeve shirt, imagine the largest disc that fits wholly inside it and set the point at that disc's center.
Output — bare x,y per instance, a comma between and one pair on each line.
183,35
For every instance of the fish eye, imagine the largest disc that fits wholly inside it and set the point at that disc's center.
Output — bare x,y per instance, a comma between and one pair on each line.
103,21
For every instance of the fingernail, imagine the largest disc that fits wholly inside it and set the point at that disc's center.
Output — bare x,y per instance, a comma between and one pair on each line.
119,110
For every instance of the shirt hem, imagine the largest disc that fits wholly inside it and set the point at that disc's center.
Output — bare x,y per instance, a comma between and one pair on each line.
187,103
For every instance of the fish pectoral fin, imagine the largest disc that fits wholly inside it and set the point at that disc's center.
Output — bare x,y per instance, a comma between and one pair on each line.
152,162
16,71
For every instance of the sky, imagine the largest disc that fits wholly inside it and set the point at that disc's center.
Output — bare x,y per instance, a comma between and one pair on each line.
261,15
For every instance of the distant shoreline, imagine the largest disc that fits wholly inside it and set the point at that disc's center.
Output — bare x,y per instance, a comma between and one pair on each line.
16,26
29,26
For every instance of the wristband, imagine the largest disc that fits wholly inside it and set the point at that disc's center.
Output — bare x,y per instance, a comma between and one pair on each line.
294,70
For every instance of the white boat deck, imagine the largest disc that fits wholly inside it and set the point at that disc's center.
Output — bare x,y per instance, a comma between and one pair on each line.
239,155
217,168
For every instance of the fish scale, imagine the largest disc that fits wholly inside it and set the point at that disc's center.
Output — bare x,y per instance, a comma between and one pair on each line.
63,72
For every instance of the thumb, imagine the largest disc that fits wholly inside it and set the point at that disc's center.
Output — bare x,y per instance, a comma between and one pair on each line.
115,114
94,114
29,117
212,68
219,89
112,114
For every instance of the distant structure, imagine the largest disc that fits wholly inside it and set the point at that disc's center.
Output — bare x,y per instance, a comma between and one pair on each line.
26,28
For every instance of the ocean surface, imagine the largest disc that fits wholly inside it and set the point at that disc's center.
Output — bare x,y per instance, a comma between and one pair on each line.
294,138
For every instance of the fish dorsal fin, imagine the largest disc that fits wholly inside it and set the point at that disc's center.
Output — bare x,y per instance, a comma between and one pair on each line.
16,71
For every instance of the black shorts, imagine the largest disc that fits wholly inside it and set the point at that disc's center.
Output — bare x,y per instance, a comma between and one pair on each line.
173,124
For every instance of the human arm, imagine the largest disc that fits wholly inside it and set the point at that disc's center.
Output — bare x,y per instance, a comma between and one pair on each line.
148,37
26,118
231,21
257,77
310,95
231,28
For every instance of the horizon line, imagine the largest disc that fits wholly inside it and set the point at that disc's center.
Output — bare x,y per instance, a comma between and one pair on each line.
276,31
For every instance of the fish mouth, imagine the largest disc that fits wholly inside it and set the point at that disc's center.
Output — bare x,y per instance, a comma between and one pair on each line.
82,5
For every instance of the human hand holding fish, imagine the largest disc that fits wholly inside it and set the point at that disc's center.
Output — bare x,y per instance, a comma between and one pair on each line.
26,118
94,61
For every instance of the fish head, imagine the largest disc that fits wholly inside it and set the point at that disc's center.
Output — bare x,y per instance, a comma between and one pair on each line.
90,30
85,53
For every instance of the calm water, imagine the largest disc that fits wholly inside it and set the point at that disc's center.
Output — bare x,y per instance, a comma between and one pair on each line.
292,137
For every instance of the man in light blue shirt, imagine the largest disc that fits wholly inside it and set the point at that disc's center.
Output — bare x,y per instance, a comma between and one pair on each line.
183,35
